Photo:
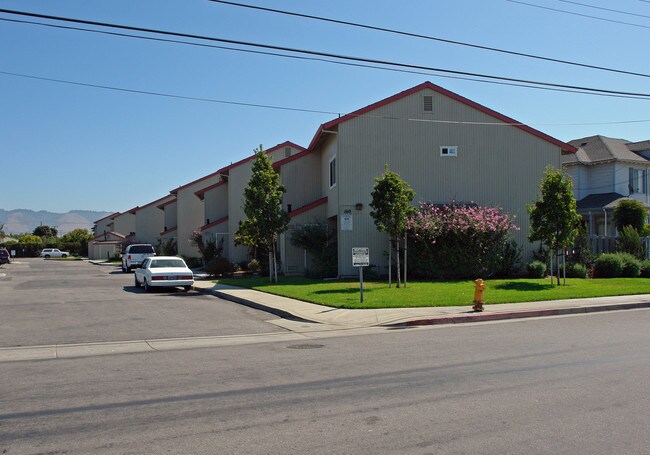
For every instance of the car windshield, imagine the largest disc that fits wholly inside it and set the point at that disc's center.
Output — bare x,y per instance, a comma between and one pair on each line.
158,263
141,249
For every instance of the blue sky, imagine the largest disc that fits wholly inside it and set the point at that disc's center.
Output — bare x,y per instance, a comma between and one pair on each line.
65,147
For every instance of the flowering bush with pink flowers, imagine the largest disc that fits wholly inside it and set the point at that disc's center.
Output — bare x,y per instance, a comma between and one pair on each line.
458,241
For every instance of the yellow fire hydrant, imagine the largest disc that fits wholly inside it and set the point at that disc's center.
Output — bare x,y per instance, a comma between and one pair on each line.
479,287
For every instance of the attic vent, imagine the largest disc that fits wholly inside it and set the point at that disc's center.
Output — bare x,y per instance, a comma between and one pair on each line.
427,103
583,144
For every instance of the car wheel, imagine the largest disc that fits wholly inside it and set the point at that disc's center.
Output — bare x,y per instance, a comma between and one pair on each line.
187,288
47,256
146,286
137,283
64,255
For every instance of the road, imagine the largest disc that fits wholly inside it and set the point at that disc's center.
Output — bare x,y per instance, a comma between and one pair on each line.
62,302
575,384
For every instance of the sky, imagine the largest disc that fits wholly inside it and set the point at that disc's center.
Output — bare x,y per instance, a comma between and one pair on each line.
66,146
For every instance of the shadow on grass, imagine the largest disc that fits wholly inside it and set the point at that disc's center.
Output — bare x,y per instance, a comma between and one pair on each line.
519,286
341,291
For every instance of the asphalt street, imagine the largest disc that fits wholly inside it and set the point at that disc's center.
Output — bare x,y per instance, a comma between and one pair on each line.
573,384
61,302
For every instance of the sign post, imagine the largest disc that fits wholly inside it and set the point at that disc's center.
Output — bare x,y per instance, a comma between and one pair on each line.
361,259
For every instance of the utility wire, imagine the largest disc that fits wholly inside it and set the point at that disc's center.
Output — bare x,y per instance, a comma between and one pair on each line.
578,14
316,59
331,55
295,109
432,38
586,5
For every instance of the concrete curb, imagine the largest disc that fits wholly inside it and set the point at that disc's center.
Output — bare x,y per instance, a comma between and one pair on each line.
103,263
258,306
439,319
481,317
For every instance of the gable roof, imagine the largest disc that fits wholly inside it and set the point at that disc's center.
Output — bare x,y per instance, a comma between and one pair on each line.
157,201
601,149
238,163
111,216
436,88
601,201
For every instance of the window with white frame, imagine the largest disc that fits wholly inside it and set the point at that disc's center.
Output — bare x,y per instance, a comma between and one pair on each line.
638,181
449,150
333,172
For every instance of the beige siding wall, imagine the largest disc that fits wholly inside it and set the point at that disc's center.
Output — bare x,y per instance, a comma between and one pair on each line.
293,259
302,179
102,226
496,165
171,216
190,213
216,203
124,224
328,152
149,222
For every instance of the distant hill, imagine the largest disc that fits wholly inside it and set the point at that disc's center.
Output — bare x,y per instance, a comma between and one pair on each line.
21,220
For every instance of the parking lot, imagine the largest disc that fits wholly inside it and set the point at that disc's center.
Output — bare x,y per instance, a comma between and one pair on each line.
62,302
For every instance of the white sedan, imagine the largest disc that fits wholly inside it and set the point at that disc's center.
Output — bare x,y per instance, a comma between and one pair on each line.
167,271
54,253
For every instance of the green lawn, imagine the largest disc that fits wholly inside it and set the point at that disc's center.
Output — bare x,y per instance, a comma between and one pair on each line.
345,294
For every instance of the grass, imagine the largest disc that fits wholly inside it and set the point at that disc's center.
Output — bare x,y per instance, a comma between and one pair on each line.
345,294
69,258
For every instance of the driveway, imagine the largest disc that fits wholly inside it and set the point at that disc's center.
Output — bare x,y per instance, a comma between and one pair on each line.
61,302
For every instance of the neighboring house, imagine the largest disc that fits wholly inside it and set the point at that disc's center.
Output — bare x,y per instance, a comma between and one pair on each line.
605,171
150,221
104,225
124,223
105,245
223,197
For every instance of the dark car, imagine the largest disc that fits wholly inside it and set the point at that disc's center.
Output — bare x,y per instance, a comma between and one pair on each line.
5,257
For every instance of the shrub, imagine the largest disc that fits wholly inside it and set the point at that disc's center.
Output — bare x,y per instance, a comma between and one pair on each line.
219,266
254,266
319,240
536,269
575,270
582,249
630,212
608,266
193,262
645,268
457,241
629,241
509,259
631,265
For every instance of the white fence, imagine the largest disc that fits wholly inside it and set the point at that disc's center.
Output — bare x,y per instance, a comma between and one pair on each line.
601,244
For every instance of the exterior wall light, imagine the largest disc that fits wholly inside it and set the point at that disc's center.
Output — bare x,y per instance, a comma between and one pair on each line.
359,206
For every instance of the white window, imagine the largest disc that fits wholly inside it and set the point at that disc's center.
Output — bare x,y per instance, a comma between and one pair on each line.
449,150
333,172
638,181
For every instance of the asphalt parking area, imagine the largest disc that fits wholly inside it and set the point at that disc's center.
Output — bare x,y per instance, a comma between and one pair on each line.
62,302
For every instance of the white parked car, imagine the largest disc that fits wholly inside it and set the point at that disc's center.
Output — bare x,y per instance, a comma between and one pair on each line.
135,254
54,253
167,271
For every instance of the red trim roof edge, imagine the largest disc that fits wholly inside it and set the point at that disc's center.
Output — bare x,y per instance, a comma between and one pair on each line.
108,233
308,207
202,191
450,94
214,223
168,230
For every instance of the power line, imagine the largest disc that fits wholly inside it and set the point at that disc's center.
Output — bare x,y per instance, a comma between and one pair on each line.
586,5
316,59
295,109
577,14
336,56
432,38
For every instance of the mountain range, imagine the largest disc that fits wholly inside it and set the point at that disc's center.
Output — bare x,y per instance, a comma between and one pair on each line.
22,221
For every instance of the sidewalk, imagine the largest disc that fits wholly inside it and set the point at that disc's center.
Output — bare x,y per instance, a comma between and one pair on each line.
295,309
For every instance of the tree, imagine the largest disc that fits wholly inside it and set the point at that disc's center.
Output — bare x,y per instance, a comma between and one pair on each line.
391,199
77,236
319,240
630,212
554,219
2,230
46,231
30,238
265,218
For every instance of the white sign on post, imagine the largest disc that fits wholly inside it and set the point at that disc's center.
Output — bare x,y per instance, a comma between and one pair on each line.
360,257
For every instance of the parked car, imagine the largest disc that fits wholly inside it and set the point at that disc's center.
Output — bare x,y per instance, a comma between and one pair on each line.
5,257
134,255
164,271
54,253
